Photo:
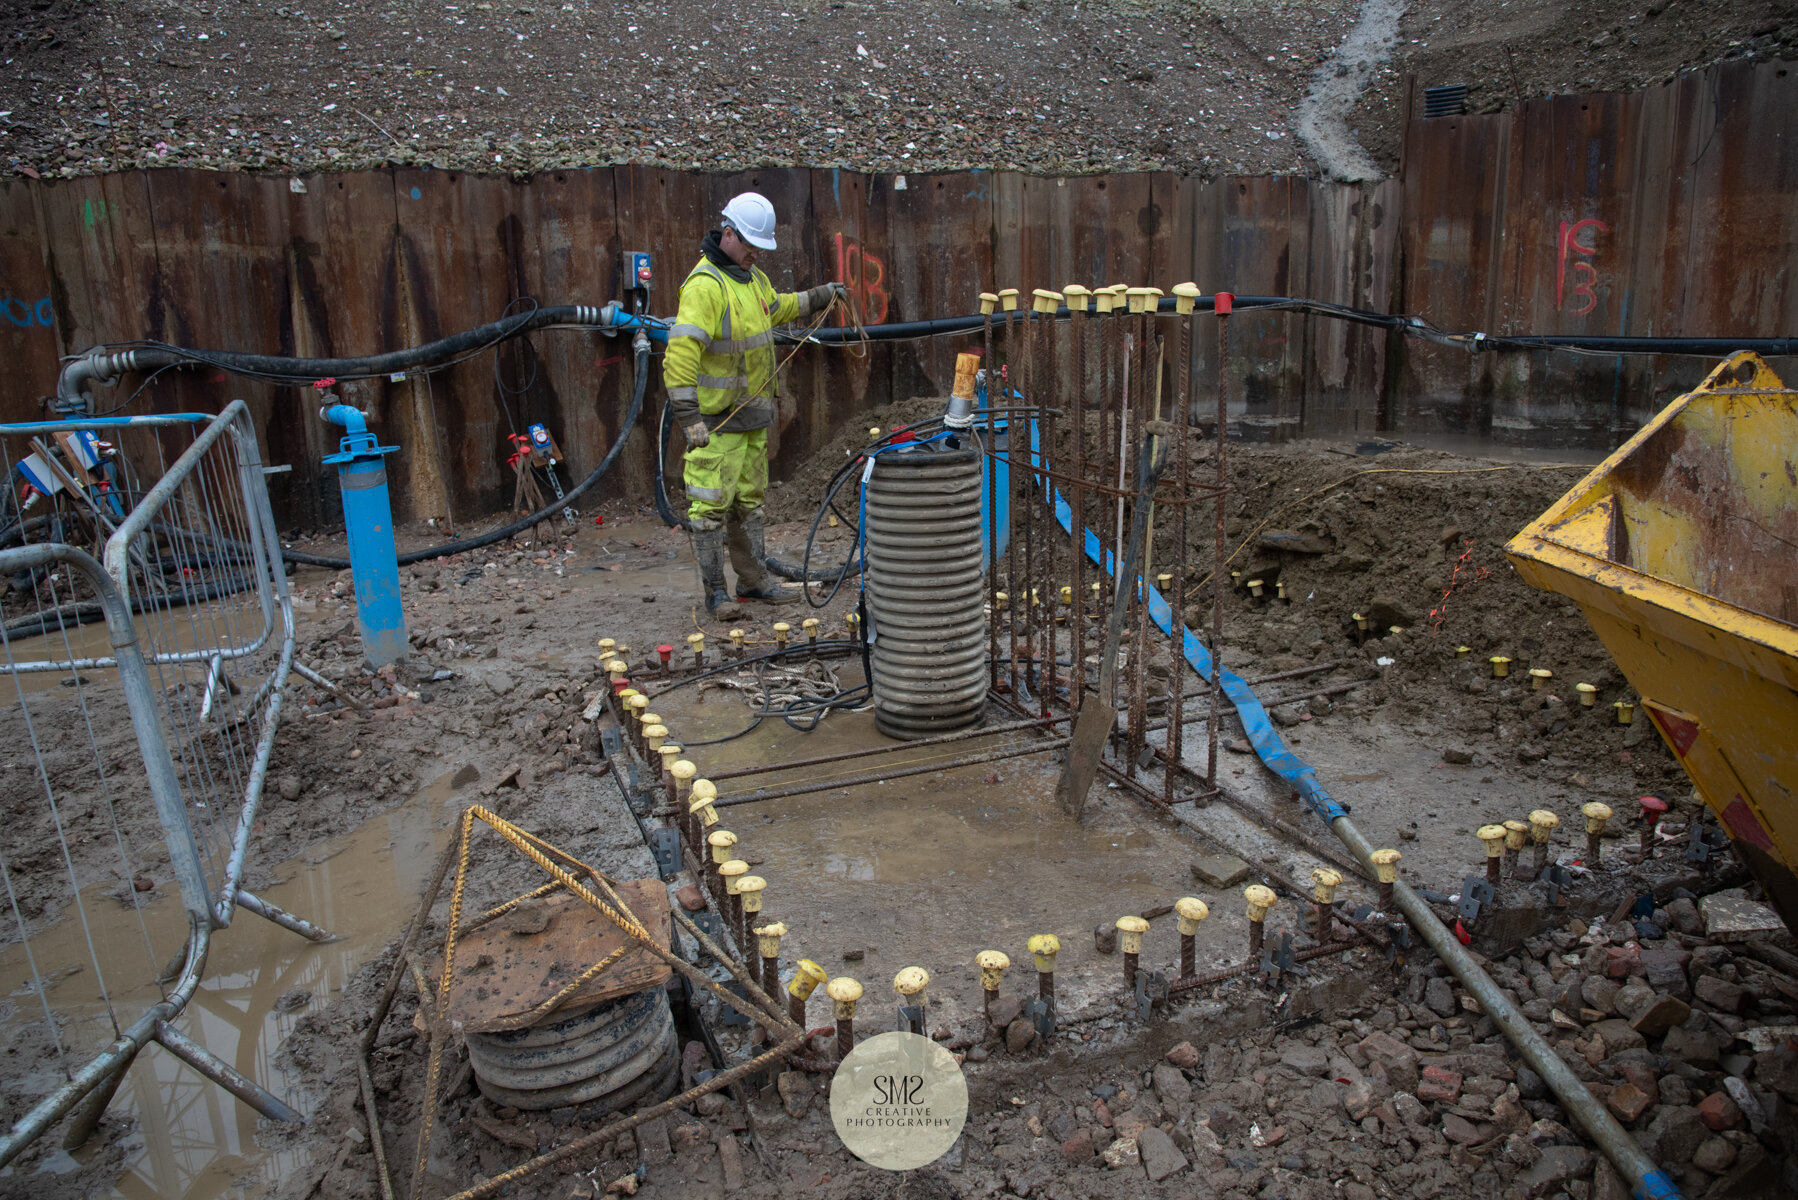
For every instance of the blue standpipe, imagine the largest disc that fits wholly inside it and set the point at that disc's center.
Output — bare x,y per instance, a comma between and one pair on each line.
368,522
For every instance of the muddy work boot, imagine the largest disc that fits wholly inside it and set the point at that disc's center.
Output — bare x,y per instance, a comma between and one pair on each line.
708,548
749,555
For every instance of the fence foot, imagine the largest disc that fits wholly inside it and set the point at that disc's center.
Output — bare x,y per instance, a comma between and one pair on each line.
286,920
87,1117
215,1069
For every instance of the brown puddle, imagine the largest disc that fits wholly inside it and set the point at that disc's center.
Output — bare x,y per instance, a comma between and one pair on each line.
193,1139
930,869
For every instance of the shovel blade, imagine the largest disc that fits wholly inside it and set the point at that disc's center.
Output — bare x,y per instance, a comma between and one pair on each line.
1085,749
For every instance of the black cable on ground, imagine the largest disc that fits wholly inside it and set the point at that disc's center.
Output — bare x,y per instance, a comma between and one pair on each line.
523,523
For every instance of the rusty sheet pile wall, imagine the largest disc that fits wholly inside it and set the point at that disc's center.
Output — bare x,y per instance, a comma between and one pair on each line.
1658,212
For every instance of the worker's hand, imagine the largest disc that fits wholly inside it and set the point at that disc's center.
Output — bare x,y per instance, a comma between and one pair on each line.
697,434
839,291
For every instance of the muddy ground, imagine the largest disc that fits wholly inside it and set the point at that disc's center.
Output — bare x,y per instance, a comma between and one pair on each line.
1046,86
1427,747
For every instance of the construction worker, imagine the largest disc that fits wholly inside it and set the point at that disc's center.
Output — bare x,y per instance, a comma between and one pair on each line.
720,377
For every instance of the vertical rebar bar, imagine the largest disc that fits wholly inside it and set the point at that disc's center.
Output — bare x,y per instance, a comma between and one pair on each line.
1217,568
1077,511
1049,394
1136,689
1176,740
1012,461
991,494
1023,597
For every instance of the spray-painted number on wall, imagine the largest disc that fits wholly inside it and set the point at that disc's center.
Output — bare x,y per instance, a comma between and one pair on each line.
864,274
1573,262
25,314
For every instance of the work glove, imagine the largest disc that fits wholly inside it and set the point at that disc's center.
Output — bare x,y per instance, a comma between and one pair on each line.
697,434
839,291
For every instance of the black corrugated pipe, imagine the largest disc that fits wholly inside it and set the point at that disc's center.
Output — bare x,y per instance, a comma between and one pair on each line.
541,515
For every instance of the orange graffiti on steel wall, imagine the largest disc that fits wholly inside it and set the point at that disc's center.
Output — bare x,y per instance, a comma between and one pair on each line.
864,274
1584,273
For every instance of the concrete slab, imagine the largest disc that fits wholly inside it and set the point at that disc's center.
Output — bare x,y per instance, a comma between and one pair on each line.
1731,917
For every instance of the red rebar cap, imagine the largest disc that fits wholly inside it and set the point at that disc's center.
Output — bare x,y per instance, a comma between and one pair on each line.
1223,302
619,685
665,652
1653,808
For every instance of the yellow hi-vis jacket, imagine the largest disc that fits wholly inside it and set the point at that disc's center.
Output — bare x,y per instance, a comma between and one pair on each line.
720,362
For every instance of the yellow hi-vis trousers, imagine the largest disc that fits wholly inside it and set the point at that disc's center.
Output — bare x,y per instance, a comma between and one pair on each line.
728,474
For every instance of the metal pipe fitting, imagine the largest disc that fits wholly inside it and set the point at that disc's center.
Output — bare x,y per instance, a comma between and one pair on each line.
1653,809
1542,827
1130,931
910,983
844,992
1260,898
1043,948
992,964
1324,896
1385,869
1596,812
1189,911
1493,836
807,975
1516,834
767,942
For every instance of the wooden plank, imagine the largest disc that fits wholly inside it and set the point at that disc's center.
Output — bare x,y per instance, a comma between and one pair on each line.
340,301
28,327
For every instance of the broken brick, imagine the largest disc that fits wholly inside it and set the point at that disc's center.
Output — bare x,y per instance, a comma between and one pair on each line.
1628,1101
1439,1085
1719,1112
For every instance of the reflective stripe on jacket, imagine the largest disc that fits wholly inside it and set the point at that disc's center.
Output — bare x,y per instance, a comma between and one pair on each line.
720,363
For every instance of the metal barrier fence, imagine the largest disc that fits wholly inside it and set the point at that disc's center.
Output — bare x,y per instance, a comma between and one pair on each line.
148,691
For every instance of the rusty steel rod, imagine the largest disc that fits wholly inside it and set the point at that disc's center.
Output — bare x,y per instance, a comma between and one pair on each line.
1222,557
1077,509
969,760
1225,974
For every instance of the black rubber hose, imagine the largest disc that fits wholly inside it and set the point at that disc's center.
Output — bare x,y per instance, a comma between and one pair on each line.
151,355
1411,326
523,523
664,509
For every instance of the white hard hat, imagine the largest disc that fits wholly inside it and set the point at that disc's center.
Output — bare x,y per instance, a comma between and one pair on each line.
752,216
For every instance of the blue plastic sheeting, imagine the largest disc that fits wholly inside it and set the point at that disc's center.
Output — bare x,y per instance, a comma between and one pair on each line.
1267,743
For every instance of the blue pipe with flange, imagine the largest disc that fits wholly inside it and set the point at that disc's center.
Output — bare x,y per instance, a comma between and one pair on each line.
368,522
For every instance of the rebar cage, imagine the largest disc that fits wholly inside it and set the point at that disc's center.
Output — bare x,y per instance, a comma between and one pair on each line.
148,633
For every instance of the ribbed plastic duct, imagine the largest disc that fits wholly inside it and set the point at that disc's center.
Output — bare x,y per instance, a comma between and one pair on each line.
607,1056
926,602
